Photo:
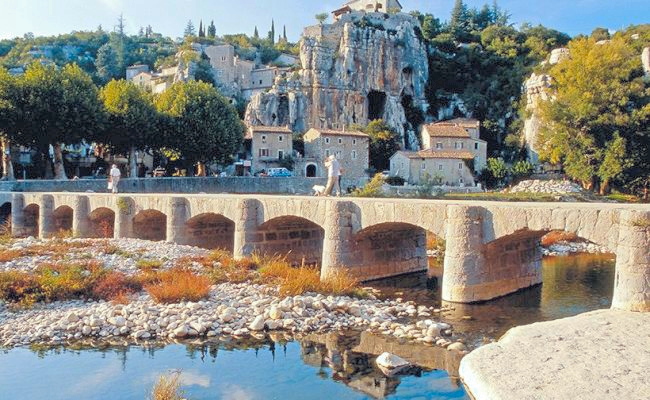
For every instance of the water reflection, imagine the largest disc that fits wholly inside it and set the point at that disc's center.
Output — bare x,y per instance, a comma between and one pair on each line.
338,366
571,285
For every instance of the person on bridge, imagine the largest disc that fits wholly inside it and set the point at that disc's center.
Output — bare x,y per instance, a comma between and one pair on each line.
333,174
114,178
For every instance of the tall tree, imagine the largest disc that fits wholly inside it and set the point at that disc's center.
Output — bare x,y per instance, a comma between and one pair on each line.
206,126
201,33
212,30
106,63
321,18
256,34
189,29
57,107
132,123
458,25
284,33
599,114
8,118
271,35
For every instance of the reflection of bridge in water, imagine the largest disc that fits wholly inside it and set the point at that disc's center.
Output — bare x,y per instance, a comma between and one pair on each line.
352,360
492,247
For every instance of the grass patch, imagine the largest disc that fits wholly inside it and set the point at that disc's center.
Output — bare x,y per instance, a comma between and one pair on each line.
501,196
641,222
167,388
178,284
149,265
555,237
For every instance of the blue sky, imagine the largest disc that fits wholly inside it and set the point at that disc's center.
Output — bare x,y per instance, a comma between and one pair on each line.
47,17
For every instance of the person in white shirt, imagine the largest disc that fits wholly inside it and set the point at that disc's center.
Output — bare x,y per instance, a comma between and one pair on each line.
114,177
333,173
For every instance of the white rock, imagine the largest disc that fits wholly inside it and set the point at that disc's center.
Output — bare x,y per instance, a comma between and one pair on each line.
390,364
257,324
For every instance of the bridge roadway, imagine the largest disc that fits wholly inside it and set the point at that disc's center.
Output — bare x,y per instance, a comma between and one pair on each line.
491,247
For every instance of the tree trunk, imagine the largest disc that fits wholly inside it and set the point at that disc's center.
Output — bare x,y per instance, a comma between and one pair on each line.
200,169
7,165
133,163
59,169
604,187
47,165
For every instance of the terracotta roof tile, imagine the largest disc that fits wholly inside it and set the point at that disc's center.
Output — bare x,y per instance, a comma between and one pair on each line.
340,133
270,129
461,155
446,130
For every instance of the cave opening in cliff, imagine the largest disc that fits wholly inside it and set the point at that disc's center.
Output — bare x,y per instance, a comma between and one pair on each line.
376,105
282,116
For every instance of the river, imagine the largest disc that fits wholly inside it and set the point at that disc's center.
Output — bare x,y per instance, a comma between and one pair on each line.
316,366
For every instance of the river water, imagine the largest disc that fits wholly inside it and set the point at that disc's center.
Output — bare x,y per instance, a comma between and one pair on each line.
317,366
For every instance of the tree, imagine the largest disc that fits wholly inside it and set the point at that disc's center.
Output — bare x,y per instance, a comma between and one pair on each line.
8,117
431,27
321,18
106,63
256,34
201,32
284,34
458,25
599,114
495,172
384,142
599,34
206,127
189,29
212,30
271,35
57,107
203,71
132,123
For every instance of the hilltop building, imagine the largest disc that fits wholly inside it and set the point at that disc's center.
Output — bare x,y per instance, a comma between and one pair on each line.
452,152
367,6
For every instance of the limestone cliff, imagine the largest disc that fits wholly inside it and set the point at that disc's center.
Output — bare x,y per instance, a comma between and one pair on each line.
537,90
364,66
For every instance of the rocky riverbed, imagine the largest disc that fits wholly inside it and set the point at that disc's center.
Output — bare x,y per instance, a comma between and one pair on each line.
565,248
559,187
235,310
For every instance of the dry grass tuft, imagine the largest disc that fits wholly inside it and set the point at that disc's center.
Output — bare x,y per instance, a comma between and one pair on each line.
149,265
168,388
554,237
11,254
178,284
115,286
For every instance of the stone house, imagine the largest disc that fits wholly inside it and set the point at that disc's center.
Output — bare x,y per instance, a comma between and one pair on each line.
269,145
450,167
367,6
134,70
452,151
351,148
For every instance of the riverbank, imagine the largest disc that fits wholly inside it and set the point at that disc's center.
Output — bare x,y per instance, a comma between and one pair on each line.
602,354
236,309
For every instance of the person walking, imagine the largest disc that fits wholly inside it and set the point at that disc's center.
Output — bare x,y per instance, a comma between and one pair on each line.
333,172
114,178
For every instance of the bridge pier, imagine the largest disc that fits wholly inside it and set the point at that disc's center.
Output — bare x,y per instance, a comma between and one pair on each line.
463,280
125,211
178,216
46,225
246,228
81,221
632,285
338,241
18,215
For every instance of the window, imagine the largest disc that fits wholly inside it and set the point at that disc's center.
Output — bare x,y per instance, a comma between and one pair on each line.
327,153
354,154
460,165
338,154
223,58
263,138
280,138
260,81
439,167
264,152
340,141
327,140
476,146
424,166
280,154
458,145
439,146
354,142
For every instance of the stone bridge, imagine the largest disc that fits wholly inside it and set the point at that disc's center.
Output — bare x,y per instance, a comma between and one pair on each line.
492,248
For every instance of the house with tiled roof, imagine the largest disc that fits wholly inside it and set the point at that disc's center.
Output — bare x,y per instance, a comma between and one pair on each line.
351,148
269,145
453,152
367,6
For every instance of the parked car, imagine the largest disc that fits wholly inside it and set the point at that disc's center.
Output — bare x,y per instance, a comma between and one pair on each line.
278,172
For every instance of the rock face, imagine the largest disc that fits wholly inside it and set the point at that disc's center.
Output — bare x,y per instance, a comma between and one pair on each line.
363,67
537,90
645,59
603,354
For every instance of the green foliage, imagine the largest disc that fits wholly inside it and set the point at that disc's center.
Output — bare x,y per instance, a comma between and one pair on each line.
495,172
321,18
205,126
522,169
384,142
597,124
372,188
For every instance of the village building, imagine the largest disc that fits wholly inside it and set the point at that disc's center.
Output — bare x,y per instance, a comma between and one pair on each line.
453,154
269,145
134,70
367,6
351,148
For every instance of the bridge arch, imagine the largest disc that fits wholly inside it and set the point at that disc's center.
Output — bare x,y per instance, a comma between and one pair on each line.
210,231
5,215
300,239
150,225
101,223
63,216
30,220
389,249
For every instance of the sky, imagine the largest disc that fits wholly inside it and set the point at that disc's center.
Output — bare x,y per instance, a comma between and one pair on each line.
169,17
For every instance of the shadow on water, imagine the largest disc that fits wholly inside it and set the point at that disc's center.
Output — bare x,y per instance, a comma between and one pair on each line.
317,366
571,285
